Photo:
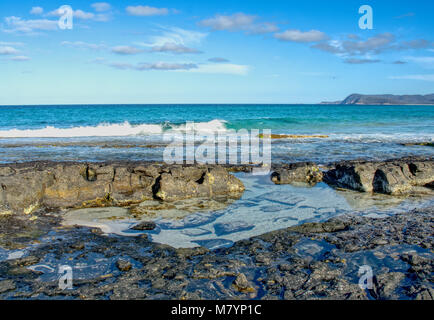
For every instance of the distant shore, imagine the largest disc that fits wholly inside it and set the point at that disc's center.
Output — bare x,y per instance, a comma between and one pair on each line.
385,99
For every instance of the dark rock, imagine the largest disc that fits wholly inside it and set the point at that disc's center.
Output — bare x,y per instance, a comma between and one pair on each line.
228,228
298,172
242,284
123,265
182,183
386,284
7,285
333,225
24,262
389,177
144,226
28,187
425,294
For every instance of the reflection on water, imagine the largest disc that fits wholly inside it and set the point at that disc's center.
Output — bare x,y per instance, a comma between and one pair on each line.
264,207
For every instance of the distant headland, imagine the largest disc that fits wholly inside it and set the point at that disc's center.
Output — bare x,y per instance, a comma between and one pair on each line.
386,99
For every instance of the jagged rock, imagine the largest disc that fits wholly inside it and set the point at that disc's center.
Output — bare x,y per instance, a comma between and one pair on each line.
242,284
7,285
29,186
390,177
123,265
333,225
145,225
196,182
386,284
297,172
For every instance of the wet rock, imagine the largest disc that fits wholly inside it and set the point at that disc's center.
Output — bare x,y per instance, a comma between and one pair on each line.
263,258
275,265
193,182
144,226
23,262
394,177
298,172
228,228
242,284
7,285
386,284
28,187
424,144
358,176
425,294
78,246
123,265
415,260
333,225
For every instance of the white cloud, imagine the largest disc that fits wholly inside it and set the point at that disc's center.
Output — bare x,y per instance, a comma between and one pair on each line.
126,50
84,45
8,50
20,58
101,6
37,10
16,24
162,66
422,77
173,35
238,22
80,14
300,36
371,46
222,68
2,43
146,11
174,48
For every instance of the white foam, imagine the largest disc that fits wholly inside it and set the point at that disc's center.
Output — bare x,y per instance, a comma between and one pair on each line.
383,137
112,130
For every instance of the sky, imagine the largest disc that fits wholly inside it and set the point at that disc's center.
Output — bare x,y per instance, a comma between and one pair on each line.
128,52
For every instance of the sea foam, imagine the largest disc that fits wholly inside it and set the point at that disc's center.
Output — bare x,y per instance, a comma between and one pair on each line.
114,130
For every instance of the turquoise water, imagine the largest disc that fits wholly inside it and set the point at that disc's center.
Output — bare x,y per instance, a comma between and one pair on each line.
97,133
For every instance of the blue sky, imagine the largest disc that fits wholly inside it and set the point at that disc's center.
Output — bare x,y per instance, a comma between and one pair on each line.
212,51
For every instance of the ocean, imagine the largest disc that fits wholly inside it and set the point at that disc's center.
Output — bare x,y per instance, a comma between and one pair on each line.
135,132
139,132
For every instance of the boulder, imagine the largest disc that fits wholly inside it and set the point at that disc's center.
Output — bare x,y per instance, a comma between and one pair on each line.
358,176
296,173
397,177
177,184
29,186
144,226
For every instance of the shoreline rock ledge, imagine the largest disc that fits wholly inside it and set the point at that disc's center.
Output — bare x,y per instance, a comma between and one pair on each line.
27,187
394,177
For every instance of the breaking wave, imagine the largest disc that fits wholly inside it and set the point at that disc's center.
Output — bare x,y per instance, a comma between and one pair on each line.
114,130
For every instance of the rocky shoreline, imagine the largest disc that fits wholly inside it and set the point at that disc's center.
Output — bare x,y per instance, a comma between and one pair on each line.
308,261
27,187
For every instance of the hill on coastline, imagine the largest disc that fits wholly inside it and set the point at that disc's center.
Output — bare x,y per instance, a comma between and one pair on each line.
386,99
